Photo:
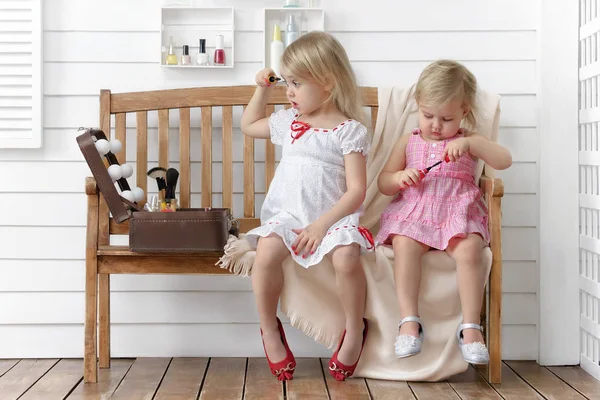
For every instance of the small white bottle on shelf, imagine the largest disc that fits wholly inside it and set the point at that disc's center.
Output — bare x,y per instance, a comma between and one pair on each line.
276,50
292,32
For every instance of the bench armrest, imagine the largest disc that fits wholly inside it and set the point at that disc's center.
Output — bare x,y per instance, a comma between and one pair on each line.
91,188
492,186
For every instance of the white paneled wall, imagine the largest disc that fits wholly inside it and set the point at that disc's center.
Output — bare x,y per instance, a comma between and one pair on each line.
589,185
92,45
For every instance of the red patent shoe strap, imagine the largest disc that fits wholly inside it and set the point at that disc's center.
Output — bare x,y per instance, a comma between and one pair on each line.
347,370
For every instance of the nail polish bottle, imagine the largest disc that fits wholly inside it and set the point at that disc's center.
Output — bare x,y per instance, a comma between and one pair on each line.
219,57
202,58
185,58
171,57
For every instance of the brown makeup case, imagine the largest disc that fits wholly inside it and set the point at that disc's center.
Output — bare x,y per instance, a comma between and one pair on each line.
187,230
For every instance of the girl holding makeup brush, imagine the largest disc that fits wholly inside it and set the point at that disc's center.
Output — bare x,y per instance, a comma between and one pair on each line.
441,208
313,205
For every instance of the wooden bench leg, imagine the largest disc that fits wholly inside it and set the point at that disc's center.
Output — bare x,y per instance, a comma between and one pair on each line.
104,300
90,369
495,306
495,335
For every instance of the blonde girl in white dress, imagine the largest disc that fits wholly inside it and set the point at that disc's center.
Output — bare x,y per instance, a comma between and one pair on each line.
314,202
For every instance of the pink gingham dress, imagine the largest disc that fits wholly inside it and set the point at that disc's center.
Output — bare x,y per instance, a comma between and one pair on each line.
444,204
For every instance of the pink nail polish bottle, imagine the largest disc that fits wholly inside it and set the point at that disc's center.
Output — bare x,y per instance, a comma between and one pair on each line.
219,57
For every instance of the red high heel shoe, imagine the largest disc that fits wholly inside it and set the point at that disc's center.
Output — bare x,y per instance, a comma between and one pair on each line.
284,369
341,371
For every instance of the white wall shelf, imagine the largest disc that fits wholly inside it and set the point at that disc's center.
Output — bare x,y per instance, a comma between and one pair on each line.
187,25
307,19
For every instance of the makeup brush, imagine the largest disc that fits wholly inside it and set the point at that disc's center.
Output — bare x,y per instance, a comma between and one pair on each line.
273,79
424,171
159,173
172,176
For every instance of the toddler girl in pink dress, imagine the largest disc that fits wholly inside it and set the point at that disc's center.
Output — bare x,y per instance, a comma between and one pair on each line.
441,208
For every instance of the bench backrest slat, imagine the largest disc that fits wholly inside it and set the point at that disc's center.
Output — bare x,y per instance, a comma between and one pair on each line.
141,149
227,140
269,154
163,138
249,189
184,158
206,156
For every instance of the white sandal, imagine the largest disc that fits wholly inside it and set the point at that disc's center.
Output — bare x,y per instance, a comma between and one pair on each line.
474,353
409,345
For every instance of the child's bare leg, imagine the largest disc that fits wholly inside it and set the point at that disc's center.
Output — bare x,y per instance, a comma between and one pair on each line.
407,274
352,289
267,282
468,254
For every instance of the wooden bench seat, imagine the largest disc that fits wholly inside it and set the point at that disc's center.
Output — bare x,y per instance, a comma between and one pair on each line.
104,259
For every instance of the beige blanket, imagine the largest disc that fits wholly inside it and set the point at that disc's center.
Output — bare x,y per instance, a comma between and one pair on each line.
309,296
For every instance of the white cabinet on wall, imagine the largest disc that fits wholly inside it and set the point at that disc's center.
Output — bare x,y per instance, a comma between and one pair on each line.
20,74
186,26
305,20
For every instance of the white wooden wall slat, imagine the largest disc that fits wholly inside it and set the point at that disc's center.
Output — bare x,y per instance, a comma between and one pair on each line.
41,177
26,275
507,77
226,340
68,243
361,46
493,15
177,307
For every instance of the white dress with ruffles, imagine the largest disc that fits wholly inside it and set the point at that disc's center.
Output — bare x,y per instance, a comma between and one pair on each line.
309,181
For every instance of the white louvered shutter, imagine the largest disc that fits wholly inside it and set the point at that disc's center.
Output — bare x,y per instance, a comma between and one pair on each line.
589,184
20,73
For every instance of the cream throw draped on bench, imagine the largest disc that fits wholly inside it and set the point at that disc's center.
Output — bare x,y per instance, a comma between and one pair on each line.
309,296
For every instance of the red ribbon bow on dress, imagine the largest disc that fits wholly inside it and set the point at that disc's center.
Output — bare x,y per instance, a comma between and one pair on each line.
299,128
368,236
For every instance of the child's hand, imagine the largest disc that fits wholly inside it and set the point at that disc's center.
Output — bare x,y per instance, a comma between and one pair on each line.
456,149
409,177
308,239
262,77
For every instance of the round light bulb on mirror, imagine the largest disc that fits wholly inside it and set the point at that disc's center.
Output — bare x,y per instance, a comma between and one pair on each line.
115,172
138,193
102,146
115,146
126,170
128,194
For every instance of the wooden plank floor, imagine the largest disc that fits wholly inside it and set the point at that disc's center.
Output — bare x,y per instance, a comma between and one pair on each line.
241,378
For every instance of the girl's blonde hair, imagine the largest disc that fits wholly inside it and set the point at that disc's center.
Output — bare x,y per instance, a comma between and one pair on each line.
444,81
319,57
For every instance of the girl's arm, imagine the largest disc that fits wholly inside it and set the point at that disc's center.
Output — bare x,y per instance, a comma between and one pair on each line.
388,180
254,122
356,189
493,154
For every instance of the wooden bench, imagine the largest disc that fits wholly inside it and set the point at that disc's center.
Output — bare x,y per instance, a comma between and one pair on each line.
103,259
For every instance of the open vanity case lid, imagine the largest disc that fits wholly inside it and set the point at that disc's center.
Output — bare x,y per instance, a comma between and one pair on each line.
119,206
